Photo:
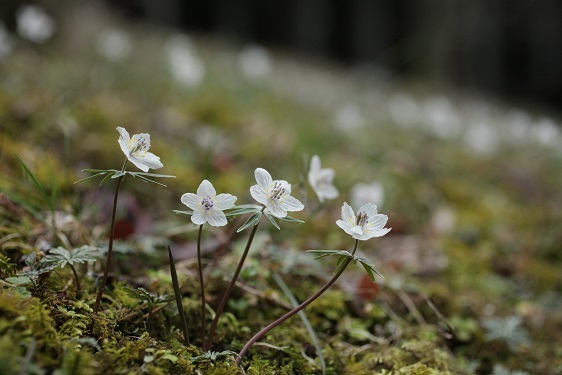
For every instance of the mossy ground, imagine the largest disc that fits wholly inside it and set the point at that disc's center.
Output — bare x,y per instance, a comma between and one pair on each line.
479,296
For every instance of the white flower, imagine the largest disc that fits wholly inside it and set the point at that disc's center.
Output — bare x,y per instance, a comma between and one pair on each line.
136,150
275,195
34,24
185,65
114,44
207,206
321,180
367,224
362,193
254,62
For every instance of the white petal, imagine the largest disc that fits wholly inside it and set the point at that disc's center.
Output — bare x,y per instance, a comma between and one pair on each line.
190,200
216,218
124,147
276,209
144,137
139,163
347,214
206,188
315,165
329,192
291,204
152,161
263,178
377,232
259,194
124,134
224,201
369,209
345,226
378,221
198,217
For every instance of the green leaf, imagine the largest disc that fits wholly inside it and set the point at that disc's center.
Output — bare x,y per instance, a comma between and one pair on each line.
183,212
272,220
109,175
136,174
254,219
79,255
89,177
19,280
291,219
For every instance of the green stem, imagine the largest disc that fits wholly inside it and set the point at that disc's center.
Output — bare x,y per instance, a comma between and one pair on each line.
110,246
201,282
230,288
78,288
274,324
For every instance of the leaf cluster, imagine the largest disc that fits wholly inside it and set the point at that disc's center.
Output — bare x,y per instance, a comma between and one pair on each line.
83,254
114,173
343,255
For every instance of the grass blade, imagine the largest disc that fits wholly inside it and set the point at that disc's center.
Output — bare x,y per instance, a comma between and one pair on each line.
37,185
177,292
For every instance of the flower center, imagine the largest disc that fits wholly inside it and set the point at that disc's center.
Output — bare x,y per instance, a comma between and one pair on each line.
207,203
362,219
277,191
140,144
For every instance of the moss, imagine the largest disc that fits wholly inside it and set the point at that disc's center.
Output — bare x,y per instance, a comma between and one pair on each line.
27,319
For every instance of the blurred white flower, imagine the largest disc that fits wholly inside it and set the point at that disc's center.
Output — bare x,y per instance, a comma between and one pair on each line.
441,117
546,132
6,45
518,123
349,118
35,24
320,179
404,110
367,224
207,206
185,66
275,195
482,139
114,44
362,193
254,62
443,220
136,150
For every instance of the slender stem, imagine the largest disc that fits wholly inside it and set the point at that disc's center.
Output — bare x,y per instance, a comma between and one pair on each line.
230,287
177,293
201,282
110,246
274,324
78,288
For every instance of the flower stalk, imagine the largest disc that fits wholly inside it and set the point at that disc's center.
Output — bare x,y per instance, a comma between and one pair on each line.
202,283
294,311
110,246
230,287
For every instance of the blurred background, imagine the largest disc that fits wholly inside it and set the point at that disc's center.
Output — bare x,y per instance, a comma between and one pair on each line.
446,114
509,48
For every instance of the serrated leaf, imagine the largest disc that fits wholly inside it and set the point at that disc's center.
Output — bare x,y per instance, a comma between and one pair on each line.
254,219
272,220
